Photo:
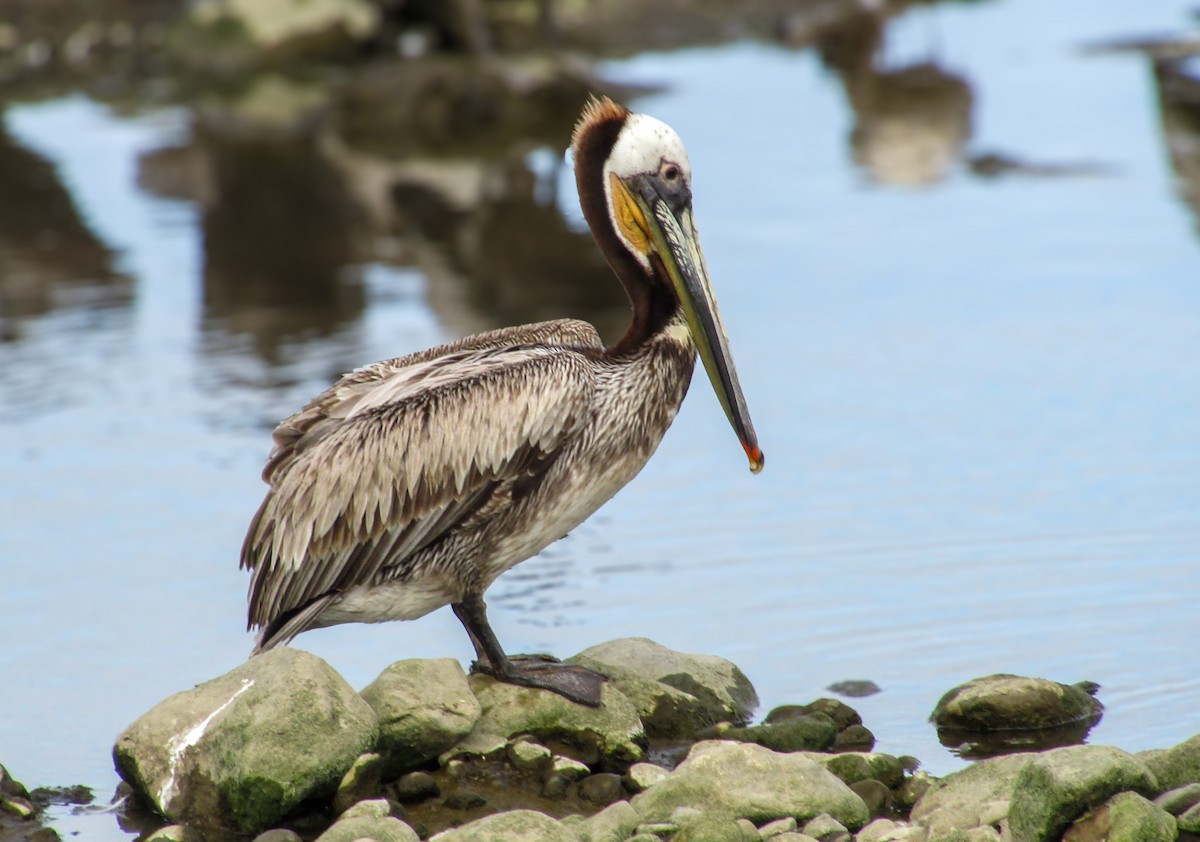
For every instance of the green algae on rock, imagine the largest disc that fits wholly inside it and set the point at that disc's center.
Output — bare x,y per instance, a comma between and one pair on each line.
240,751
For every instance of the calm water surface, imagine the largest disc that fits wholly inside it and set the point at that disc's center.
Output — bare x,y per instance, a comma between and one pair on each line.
978,398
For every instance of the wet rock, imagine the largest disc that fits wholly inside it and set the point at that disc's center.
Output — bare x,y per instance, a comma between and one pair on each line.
1176,766
1175,801
814,732
376,828
514,826
1015,703
416,786
240,751
1126,817
642,776
612,733
822,825
603,788
1054,788
955,801
699,691
563,772
424,706
361,781
614,823
751,782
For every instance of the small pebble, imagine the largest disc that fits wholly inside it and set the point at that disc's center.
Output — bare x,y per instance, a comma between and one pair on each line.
570,768
854,688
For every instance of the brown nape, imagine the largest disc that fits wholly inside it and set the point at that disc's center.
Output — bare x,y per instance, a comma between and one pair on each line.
651,294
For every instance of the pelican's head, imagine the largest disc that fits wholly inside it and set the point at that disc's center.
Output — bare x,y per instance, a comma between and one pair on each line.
634,181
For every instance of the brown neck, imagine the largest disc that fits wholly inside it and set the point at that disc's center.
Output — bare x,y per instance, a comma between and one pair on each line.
650,292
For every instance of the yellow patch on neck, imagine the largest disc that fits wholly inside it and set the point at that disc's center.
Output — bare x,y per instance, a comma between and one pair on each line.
629,217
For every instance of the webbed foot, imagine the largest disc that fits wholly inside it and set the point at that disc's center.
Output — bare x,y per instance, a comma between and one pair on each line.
579,684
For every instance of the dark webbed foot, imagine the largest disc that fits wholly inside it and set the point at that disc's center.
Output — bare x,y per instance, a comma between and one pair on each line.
579,684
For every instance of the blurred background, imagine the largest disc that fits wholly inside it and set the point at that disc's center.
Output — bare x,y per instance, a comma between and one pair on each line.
955,246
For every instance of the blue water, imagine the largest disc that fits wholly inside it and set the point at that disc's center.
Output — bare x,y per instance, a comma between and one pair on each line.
978,400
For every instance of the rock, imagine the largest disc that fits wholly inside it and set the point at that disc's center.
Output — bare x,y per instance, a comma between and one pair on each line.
1176,766
714,827
842,714
778,827
1055,787
855,688
703,689
874,794
529,757
416,786
514,826
385,829
822,825
425,707
1014,703
361,781
911,790
464,798
614,823
175,833
854,738
372,808
278,834
751,782
278,24
814,732
1175,801
954,801
611,733
642,776
1189,819
241,751
603,788
1126,817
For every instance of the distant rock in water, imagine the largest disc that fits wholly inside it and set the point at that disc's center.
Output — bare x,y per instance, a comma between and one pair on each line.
1000,714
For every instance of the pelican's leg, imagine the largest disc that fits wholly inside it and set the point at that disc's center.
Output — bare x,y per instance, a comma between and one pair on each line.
579,684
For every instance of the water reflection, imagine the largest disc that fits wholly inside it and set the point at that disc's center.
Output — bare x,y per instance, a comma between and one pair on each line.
49,257
911,123
1178,88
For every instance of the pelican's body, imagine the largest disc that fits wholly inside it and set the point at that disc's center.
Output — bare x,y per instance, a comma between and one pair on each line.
413,483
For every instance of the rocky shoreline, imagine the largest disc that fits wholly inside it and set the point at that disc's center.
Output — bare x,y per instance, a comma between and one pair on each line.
282,749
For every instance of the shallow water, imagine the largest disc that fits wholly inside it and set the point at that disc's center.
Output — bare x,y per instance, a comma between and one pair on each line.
977,398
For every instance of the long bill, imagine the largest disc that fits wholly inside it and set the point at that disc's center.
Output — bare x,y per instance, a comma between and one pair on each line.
676,241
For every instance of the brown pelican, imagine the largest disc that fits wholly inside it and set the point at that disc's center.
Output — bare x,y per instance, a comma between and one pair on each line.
414,482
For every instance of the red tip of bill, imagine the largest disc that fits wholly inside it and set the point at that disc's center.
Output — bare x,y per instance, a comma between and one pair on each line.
756,459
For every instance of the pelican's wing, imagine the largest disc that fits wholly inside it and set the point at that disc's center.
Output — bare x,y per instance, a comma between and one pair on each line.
398,460
361,387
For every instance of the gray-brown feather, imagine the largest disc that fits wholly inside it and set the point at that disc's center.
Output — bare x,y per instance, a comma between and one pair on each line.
396,453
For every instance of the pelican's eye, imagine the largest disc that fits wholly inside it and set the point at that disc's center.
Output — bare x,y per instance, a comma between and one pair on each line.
670,172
